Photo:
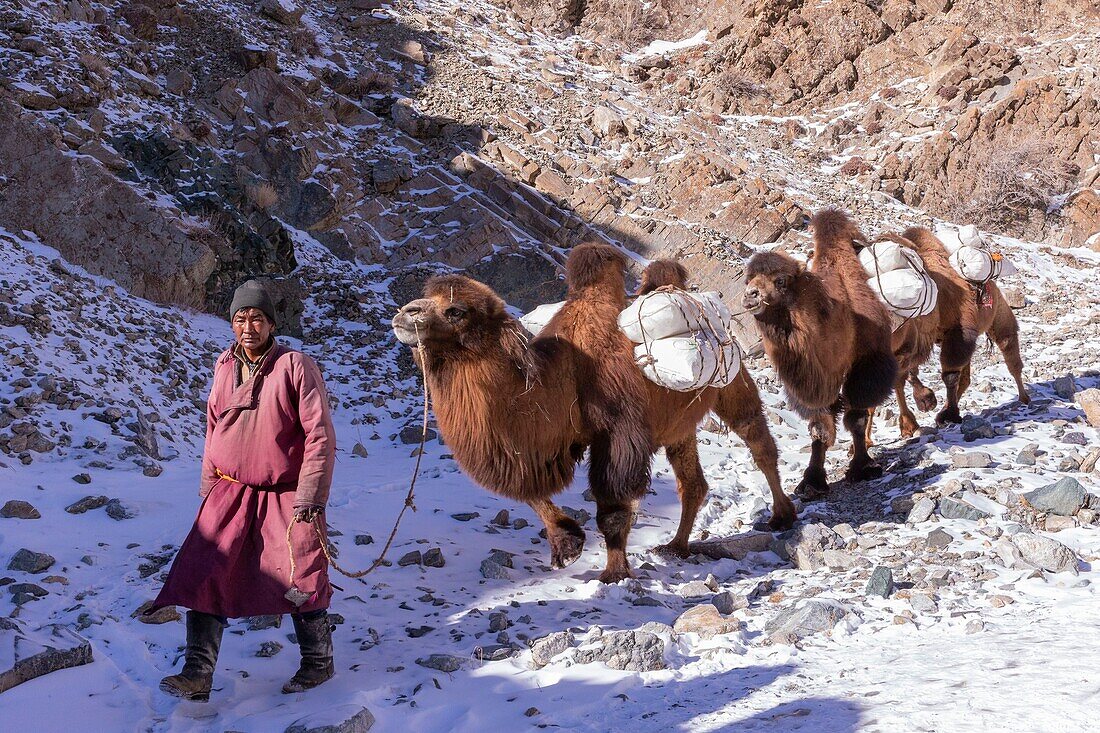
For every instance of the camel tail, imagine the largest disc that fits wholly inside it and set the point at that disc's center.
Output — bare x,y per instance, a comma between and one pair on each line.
833,230
871,380
663,273
595,265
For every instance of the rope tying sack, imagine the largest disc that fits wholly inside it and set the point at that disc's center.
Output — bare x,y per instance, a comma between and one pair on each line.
701,353
298,597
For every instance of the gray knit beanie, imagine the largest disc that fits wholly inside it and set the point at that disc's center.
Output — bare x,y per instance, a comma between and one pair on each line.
252,294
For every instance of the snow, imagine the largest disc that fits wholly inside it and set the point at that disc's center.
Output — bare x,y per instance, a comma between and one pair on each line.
658,48
872,675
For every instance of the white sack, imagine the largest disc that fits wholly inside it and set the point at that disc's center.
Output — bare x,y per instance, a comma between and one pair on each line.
685,363
906,293
955,237
661,314
980,265
888,256
537,319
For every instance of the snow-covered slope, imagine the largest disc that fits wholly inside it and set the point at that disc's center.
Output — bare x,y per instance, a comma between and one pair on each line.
964,642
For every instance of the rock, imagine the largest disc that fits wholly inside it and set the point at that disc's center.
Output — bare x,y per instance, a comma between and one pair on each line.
27,561
494,652
805,546
812,617
410,434
938,539
881,582
607,122
364,539
346,718
1064,386
1045,553
921,511
491,570
971,459
26,655
465,516
923,603
1089,400
631,651
501,519
359,450
1028,455
976,428
268,621
695,589
82,478
736,547
545,649
580,516
1056,523
727,602
410,558
1064,497
443,662
706,621
118,511
31,589
86,504
413,51
269,649
955,509
285,12
163,615
433,558
1013,296
16,509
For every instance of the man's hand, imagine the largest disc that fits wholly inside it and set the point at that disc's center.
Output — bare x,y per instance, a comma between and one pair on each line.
307,513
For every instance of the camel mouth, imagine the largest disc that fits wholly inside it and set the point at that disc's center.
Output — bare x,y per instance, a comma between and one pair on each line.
405,330
753,306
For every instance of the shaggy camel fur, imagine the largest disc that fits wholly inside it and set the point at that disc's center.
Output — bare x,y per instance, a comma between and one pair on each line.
912,344
519,414
962,319
828,336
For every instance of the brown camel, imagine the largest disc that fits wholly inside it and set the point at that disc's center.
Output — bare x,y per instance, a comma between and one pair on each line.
966,312
828,336
912,344
519,414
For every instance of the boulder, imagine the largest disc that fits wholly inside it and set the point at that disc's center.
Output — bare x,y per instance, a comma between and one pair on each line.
805,546
631,651
1045,553
284,12
706,621
345,718
1089,400
27,654
1064,497
545,649
16,509
28,561
813,617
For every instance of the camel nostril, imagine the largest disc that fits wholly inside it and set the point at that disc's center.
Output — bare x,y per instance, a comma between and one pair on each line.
411,310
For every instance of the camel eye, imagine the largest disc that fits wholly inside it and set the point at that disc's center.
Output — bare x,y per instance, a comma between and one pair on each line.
455,313
781,282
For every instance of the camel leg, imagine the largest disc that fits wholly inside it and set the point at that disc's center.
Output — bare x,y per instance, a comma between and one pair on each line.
691,485
922,395
964,381
618,480
861,467
1006,334
907,421
956,351
868,437
815,482
565,536
615,518
740,408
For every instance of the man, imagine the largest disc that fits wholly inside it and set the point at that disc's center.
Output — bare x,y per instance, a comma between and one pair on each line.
267,466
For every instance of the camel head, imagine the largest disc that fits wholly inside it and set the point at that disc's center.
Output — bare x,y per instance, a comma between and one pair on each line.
455,314
772,280
663,273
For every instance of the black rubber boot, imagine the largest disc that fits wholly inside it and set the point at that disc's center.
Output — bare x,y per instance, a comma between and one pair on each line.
315,640
204,639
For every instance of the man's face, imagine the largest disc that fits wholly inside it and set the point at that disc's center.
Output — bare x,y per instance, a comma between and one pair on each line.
252,329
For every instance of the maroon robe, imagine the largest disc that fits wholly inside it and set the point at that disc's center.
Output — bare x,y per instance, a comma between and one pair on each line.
270,447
